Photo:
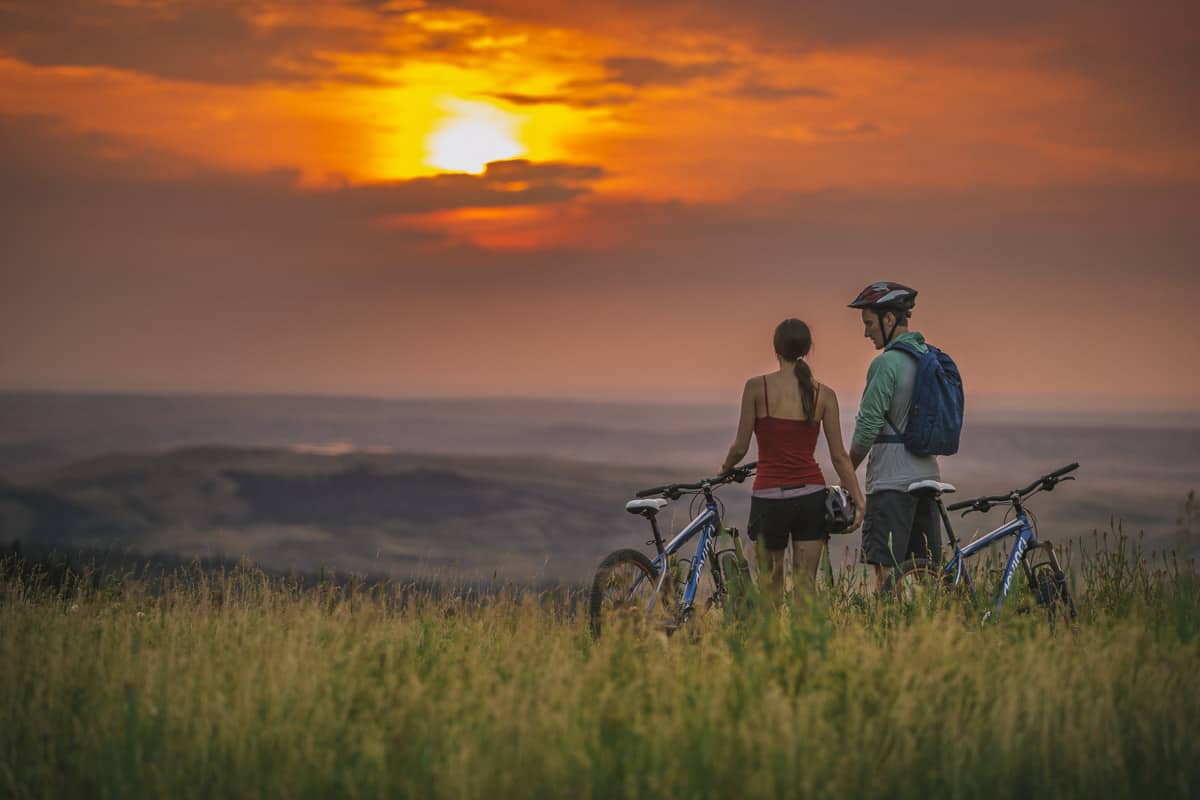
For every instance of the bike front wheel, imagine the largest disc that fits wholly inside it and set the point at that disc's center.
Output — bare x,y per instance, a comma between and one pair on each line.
1049,585
622,591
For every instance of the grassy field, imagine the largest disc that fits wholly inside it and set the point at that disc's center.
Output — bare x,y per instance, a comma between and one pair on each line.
240,684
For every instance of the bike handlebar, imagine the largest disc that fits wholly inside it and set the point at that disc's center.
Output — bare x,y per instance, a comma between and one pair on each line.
1058,473
737,474
1047,482
979,503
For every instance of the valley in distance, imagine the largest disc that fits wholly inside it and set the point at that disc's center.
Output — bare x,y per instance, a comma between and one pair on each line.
517,489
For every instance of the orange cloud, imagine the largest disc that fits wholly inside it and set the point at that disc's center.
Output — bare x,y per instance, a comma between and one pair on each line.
345,92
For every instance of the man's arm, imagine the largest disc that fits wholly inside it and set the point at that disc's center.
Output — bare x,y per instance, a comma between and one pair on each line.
858,455
882,377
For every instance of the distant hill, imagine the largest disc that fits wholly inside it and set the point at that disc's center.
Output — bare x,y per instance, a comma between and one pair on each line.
519,486
39,429
369,513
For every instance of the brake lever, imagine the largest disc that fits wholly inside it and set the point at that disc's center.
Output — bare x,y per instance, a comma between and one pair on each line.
982,507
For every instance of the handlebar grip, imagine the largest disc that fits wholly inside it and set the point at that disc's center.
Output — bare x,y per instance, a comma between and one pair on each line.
1064,470
691,487
986,501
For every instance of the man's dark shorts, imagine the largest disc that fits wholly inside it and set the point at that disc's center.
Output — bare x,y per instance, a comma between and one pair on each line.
801,519
910,522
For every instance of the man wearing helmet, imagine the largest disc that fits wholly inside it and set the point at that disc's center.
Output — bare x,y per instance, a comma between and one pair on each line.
897,525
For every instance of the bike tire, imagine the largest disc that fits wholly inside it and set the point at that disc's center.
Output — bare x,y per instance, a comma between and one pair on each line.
1052,593
618,575
739,596
916,575
735,572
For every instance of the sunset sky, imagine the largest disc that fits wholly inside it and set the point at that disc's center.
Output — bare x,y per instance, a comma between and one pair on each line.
615,200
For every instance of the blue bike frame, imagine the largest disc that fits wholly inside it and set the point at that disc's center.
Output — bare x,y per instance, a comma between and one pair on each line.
1019,527
705,524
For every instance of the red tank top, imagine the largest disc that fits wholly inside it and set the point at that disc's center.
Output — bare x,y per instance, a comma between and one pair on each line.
785,451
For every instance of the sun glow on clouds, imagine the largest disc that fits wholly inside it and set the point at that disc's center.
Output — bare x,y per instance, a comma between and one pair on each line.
475,134
444,89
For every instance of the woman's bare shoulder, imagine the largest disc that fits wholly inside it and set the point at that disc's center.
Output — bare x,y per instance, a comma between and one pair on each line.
827,396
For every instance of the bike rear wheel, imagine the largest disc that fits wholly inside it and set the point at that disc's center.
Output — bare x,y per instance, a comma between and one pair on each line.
918,581
622,589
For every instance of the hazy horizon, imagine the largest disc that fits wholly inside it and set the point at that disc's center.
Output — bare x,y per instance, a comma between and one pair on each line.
1153,412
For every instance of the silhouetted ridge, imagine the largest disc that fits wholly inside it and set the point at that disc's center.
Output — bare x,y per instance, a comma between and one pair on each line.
362,495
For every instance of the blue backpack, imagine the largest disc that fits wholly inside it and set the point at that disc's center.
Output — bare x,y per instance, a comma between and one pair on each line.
935,418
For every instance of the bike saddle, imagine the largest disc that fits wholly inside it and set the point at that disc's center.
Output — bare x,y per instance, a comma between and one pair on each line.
936,487
647,507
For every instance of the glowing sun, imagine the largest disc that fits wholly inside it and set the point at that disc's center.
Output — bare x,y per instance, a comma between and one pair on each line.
473,135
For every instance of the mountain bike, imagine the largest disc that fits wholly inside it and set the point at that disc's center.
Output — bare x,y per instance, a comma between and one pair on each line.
1045,576
631,588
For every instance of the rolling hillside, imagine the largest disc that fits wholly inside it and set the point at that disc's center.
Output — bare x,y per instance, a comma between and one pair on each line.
369,513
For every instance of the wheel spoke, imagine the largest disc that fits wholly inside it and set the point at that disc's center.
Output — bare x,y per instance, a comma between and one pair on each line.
622,591
921,584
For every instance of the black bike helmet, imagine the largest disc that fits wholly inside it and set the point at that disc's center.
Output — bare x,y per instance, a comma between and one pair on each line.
839,510
887,296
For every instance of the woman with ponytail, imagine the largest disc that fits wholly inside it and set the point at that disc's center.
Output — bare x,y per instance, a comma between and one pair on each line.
785,411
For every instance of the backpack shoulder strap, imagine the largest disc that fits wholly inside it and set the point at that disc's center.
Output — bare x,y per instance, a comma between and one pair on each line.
909,349
887,437
898,437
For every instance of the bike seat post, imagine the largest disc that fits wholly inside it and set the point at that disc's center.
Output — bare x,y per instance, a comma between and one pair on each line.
658,541
937,498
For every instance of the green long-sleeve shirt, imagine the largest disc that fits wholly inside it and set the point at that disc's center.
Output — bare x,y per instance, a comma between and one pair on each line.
889,395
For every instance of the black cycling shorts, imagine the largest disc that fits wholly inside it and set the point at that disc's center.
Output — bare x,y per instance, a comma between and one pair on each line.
800,519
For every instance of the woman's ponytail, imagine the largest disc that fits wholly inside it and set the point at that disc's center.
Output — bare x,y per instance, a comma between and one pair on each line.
808,389
793,340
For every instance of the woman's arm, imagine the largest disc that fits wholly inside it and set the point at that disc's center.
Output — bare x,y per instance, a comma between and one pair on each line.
745,429
831,423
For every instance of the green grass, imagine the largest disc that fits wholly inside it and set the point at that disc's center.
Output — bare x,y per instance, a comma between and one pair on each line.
238,684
